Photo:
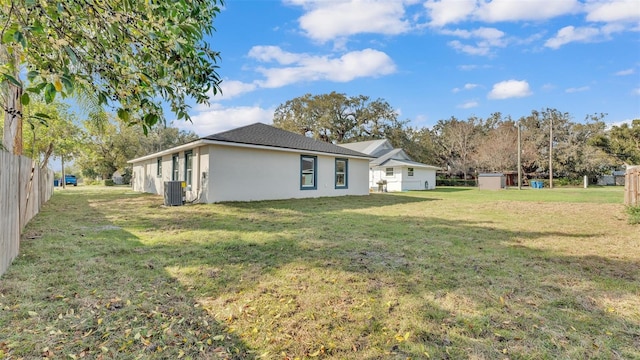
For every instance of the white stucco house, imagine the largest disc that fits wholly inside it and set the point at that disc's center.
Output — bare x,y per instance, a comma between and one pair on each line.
254,162
395,166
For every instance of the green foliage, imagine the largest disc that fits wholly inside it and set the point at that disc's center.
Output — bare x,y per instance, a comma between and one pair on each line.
634,214
568,181
110,143
90,180
52,131
455,182
130,54
418,143
108,182
456,142
337,118
621,142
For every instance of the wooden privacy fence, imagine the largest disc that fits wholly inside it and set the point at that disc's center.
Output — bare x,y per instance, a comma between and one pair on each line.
23,190
632,186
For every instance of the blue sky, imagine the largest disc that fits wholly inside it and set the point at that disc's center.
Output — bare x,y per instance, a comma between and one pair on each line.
428,59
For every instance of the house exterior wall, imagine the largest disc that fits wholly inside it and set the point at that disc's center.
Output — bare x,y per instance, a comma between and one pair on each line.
422,179
401,181
394,182
144,177
204,178
249,174
145,173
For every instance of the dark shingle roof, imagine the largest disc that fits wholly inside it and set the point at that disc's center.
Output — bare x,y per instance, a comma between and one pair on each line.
266,135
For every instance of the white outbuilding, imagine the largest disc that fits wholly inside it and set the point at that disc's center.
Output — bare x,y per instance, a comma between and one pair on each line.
392,169
254,162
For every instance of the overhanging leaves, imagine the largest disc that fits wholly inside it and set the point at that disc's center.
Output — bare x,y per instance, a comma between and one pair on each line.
131,54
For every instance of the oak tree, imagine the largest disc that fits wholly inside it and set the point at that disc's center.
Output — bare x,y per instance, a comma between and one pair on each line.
336,117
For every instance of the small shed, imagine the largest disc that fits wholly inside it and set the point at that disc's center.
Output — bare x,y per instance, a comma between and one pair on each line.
494,181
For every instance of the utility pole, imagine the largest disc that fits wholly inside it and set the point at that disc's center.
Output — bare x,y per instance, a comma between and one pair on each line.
551,151
519,159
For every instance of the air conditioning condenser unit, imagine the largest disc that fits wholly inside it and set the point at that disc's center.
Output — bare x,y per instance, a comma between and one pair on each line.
173,193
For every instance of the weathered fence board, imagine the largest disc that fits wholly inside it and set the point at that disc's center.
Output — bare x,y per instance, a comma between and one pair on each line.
632,186
24,187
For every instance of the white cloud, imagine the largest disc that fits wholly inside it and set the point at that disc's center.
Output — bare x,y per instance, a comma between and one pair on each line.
491,35
625,72
467,86
510,10
578,89
487,38
570,34
274,53
619,123
469,49
445,12
468,105
510,89
304,67
328,20
613,11
636,91
231,89
473,67
217,118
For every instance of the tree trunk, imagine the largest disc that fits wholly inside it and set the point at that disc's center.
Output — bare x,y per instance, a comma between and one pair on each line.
64,180
47,155
12,137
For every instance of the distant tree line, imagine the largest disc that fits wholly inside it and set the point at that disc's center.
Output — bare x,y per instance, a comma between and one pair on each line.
99,145
467,146
102,143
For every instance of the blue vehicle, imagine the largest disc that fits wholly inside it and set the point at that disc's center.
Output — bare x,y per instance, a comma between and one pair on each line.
70,180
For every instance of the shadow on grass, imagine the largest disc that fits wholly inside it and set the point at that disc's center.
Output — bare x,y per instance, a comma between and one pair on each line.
330,204
430,258
450,189
84,287
460,287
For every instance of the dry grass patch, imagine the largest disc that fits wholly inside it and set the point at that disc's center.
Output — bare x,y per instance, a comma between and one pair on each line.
438,274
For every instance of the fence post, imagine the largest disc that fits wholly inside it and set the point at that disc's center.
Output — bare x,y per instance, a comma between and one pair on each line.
632,186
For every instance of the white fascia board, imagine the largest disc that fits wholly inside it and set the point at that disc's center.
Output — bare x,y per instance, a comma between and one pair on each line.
187,146
299,151
400,164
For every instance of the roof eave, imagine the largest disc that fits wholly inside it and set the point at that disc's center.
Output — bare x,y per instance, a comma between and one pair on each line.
286,149
187,146
201,142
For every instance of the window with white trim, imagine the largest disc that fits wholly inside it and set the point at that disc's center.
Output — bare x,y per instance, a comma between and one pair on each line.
175,170
342,167
188,167
409,171
389,171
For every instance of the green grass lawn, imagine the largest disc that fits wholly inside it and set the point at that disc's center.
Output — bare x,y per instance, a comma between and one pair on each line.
454,273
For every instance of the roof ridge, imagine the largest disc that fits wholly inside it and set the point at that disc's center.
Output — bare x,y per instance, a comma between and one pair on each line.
271,136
